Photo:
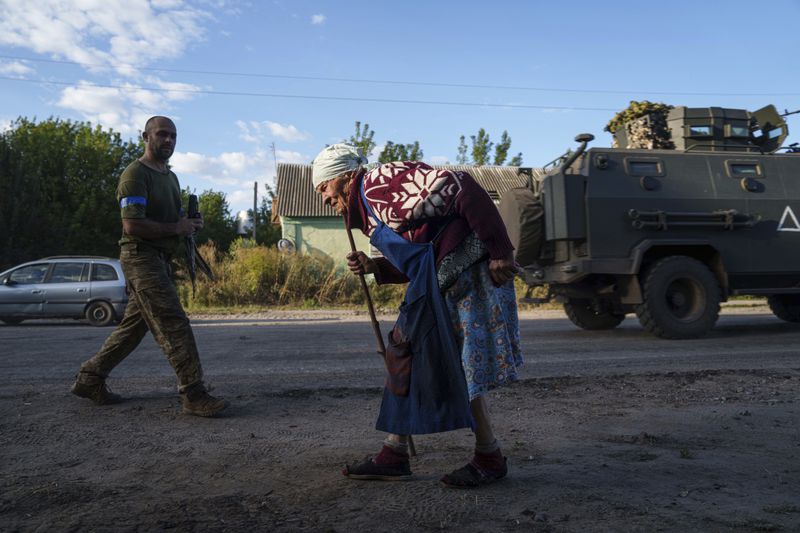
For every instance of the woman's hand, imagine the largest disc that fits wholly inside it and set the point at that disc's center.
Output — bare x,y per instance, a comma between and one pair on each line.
359,263
502,270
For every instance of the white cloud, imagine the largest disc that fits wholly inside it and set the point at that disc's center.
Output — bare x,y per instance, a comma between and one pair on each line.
124,108
259,132
318,19
287,133
109,36
241,197
15,69
230,169
438,160
5,124
231,172
103,32
101,105
286,156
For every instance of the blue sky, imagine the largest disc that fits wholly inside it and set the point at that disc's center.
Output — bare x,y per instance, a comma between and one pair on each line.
238,76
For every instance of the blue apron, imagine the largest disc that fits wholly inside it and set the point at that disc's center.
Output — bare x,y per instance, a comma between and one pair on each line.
437,399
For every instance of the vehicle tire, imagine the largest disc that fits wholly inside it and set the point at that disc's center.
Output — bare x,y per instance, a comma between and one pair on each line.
785,306
680,298
100,314
585,315
11,321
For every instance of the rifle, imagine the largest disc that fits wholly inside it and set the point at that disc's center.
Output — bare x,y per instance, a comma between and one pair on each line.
194,260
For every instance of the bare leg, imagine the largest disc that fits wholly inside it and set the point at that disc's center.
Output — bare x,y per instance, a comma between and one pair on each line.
484,436
399,440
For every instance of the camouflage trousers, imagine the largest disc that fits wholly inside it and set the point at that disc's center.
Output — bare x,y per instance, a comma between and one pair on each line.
154,306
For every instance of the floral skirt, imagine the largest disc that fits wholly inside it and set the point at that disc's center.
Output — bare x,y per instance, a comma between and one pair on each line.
486,326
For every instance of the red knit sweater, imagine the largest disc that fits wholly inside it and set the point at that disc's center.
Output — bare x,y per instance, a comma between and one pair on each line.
417,201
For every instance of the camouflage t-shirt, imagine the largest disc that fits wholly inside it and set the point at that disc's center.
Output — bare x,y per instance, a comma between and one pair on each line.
147,193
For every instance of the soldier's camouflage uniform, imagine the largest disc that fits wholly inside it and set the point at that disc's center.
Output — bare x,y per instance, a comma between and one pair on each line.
153,300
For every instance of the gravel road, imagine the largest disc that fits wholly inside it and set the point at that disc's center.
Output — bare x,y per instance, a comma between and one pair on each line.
606,431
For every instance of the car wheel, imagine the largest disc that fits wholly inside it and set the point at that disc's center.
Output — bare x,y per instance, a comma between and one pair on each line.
11,321
100,314
680,298
584,314
785,306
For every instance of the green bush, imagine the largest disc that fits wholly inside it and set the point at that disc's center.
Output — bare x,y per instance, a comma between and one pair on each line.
257,276
254,277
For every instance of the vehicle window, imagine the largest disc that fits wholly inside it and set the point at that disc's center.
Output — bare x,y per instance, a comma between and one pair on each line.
737,131
103,273
66,272
644,168
29,274
744,170
699,131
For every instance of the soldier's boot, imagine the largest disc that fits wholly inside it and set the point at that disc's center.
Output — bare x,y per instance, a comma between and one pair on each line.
198,402
93,387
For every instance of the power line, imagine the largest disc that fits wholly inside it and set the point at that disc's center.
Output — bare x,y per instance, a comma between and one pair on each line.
393,82
305,96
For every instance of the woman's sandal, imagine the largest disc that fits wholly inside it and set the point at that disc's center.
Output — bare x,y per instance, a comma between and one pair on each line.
470,476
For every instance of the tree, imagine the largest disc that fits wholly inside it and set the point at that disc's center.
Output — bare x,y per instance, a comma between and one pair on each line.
501,149
363,138
481,147
400,152
462,151
58,184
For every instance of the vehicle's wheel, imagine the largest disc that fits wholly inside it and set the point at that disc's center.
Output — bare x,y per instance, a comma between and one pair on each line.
585,315
681,298
100,314
11,320
785,306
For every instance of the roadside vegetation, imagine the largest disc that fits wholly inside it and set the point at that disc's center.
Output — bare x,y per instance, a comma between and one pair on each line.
257,277
252,278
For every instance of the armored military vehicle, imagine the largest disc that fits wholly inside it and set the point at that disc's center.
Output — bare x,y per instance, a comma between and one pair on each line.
667,234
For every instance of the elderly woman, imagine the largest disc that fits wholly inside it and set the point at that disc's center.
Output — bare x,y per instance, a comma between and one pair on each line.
457,336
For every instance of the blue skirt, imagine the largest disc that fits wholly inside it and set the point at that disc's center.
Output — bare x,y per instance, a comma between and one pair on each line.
486,326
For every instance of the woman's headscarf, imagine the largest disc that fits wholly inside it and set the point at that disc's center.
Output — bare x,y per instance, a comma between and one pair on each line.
334,160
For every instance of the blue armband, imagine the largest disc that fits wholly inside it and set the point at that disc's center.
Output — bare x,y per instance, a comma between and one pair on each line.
132,200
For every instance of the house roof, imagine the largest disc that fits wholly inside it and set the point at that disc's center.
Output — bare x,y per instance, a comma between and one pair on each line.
295,196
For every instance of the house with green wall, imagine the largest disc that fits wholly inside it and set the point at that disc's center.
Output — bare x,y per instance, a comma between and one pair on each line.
314,228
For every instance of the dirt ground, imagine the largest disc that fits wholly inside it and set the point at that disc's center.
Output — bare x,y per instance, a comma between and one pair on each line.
702,451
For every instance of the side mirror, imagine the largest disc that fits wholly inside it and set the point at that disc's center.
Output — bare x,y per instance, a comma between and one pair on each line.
7,281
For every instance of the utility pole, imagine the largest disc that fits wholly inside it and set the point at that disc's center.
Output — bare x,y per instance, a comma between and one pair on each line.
255,206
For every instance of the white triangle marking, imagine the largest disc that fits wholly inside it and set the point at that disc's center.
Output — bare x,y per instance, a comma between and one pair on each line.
790,214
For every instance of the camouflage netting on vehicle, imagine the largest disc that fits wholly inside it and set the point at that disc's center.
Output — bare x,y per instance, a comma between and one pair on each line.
649,132
641,125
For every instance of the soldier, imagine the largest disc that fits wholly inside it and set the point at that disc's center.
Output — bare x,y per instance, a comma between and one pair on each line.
152,224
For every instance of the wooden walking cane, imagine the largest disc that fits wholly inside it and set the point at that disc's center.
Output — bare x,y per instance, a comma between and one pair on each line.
376,327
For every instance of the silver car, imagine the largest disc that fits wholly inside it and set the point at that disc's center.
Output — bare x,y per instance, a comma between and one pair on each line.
64,287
